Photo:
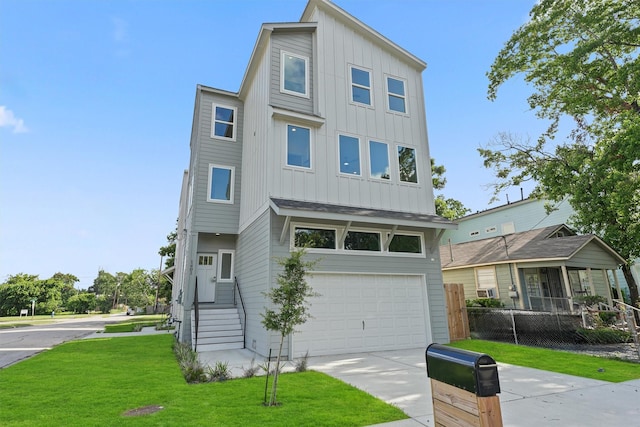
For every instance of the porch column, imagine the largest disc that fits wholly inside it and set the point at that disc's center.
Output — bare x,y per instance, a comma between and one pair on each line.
519,287
605,276
615,279
592,287
567,286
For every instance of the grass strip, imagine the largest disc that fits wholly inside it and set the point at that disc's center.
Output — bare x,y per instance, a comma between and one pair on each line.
93,382
563,362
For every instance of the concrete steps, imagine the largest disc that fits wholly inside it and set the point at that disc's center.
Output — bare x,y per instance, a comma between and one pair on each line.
219,329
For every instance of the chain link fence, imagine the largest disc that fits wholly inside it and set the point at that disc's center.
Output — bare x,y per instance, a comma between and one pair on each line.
599,333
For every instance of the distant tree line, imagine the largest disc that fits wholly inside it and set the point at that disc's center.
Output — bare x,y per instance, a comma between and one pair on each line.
58,293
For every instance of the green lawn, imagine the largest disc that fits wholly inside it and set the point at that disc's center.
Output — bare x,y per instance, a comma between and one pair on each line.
93,382
555,361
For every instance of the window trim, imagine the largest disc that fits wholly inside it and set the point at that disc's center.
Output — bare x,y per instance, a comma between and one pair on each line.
415,152
369,88
495,277
284,53
371,163
234,123
359,174
219,268
213,166
368,231
390,94
286,148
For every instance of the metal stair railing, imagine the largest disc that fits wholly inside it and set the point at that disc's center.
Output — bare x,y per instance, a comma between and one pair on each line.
244,312
197,314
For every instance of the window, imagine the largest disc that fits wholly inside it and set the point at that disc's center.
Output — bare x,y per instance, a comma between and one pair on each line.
295,74
407,164
405,243
298,146
318,238
486,278
362,241
223,123
225,265
221,180
379,160
396,95
360,86
349,155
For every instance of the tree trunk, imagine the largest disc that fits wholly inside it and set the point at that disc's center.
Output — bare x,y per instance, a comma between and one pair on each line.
633,288
274,388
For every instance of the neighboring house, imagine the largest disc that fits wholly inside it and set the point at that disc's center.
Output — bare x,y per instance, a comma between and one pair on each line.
528,258
324,146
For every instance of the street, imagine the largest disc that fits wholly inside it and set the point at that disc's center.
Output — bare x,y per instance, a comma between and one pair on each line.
20,343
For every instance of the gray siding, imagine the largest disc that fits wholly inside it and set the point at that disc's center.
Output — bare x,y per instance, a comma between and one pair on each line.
592,256
209,216
299,43
210,243
253,273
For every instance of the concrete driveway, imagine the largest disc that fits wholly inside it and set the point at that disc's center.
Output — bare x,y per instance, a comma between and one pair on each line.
528,398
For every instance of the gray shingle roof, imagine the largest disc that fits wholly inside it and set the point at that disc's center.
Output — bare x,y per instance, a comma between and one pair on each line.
342,212
525,246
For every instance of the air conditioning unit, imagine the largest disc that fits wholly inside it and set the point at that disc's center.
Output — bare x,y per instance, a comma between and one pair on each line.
486,293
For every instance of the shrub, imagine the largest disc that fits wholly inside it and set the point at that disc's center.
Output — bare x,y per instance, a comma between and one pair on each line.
251,371
301,364
219,372
192,370
608,317
485,302
604,336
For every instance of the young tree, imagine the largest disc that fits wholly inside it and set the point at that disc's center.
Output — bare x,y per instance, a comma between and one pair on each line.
289,302
582,58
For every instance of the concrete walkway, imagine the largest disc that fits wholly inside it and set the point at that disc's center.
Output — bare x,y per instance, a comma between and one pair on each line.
529,397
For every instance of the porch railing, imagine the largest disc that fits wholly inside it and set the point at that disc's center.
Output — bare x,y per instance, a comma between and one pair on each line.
196,310
236,291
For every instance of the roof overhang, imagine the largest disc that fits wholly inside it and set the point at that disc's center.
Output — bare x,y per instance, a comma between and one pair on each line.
332,212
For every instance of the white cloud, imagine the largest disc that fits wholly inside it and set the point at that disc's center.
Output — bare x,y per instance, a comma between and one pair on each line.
120,33
7,119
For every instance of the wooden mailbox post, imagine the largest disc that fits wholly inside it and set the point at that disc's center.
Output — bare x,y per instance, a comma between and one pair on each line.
464,387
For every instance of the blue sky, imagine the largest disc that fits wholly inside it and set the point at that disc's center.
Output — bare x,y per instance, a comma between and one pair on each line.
96,106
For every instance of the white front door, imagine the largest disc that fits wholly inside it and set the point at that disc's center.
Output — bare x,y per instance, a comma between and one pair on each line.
206,274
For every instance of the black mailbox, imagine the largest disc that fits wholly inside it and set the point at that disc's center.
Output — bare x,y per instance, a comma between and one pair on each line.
468,370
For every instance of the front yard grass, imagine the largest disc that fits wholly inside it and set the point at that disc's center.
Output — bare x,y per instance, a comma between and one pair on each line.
93,382
563,362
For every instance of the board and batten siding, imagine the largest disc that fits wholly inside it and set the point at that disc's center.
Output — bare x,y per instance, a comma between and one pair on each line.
256,144
252,268
299,43
337,48
210,216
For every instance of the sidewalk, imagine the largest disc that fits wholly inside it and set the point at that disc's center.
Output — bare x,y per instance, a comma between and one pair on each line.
529,397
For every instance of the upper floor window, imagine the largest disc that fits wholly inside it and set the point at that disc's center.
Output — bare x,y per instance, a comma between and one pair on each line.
396,95
349,155
360,86
362,241
406,243
223,124
294,74
298,146
379,160
221,179
407,164
318,238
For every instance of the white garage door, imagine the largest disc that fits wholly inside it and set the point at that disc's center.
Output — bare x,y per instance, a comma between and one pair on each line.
360,313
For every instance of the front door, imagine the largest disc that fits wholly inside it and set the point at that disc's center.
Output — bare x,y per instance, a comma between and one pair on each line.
206,274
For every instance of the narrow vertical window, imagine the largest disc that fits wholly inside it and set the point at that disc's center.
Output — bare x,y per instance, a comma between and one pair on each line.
407,164
221,184
223,124
225,265
294,74
396,95
360,86
349,155
379,160
298,146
